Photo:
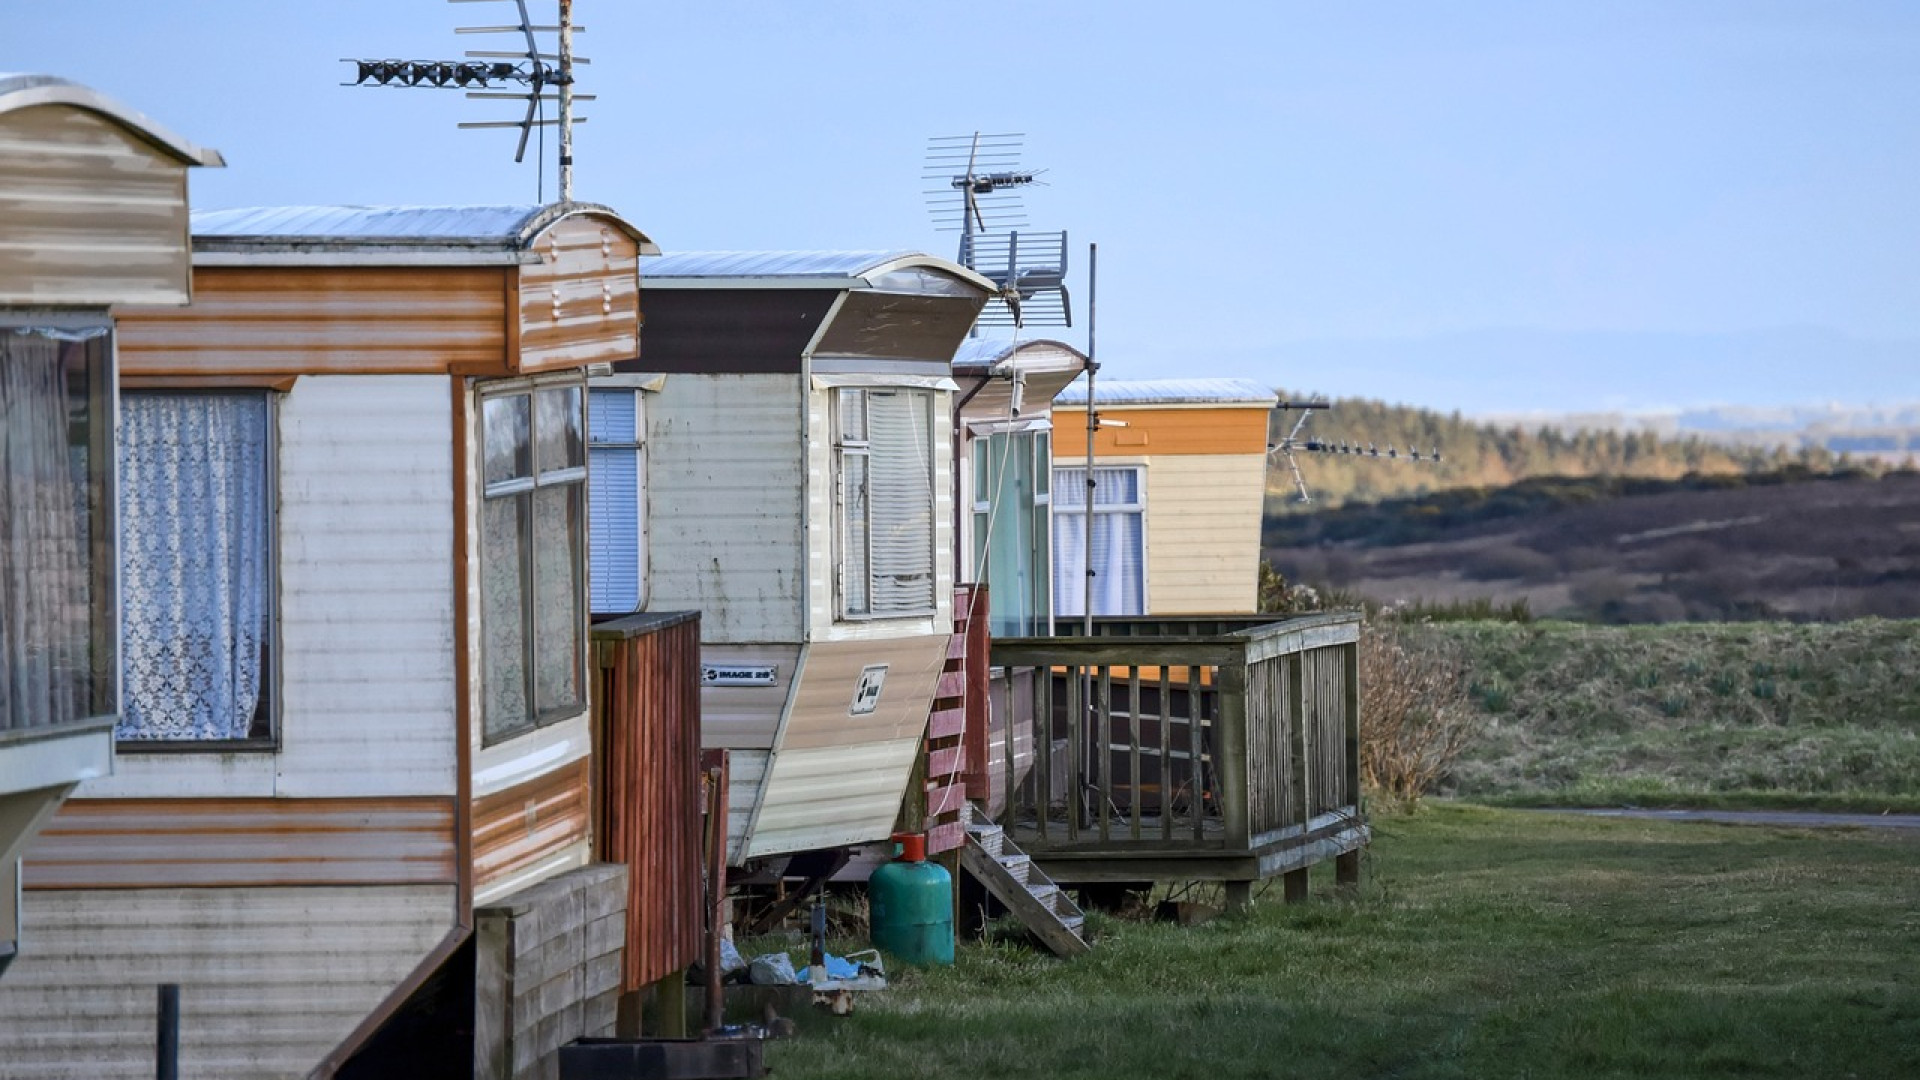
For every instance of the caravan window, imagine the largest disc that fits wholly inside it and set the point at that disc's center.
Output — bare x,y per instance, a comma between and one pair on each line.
883,502
1011,554
56,526
1119,556
616,499
532,557
196,519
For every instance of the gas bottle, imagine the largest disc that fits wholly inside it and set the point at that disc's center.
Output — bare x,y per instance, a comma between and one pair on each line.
911,905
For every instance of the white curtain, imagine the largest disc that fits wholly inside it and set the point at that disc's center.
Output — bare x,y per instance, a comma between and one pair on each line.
1119,548
45,628
194,562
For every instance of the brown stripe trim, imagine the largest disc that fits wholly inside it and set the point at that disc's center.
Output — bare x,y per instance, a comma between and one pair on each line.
519,827
231,843
279,383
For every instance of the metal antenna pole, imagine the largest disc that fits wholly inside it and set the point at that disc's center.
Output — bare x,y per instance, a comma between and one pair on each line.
566,101
1093,425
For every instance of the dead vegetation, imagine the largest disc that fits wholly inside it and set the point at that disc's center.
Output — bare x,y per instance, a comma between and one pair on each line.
1415,716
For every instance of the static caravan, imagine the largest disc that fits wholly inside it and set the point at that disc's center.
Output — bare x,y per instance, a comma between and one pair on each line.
93,213
356,656
1179,476
798,452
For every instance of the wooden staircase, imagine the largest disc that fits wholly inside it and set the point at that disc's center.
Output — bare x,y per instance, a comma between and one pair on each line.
1010,875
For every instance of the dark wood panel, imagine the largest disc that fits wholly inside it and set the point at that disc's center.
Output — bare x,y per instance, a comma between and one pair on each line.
648,724
728,331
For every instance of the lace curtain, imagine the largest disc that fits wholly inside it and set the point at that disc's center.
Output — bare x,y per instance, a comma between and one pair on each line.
1119,548
45,624
194,563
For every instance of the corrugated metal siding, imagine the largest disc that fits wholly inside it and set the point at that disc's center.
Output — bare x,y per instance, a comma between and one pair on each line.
297,320
531,831
1203,533
366,603
158,843
829,674
581,303
89,214
650,798
724,491
272,980
748,264
746,717
747,773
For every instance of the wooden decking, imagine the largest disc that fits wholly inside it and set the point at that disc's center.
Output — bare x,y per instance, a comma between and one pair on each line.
1193,749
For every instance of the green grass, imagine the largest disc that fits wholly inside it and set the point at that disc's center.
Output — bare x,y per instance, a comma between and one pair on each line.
1484,943
1752,714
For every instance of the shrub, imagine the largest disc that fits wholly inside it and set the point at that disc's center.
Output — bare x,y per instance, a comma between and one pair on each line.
1414,716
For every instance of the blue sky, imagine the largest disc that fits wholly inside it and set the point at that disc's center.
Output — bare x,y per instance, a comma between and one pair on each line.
1484,206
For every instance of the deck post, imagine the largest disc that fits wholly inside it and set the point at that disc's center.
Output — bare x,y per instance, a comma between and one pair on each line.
1346,865
670,1004
1297,746
1294,884
1239,896
1230,747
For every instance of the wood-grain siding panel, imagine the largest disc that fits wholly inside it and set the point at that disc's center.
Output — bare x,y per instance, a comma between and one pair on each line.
746,776
517,829
90,214
581,303
830,673
1203,533
199,843
338,320
650,794
1240,429
832,796
724,502
272,979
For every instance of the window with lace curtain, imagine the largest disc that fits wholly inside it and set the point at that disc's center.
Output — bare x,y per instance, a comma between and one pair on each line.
196,520
1118,557
533,560
56,526
883,502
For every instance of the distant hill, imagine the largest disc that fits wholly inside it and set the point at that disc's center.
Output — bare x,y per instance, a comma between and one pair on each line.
1479,454
1888,433
1789,544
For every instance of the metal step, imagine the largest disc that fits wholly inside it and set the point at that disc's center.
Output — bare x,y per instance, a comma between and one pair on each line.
1010,875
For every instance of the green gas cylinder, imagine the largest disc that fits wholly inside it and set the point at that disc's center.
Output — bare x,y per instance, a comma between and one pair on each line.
911,905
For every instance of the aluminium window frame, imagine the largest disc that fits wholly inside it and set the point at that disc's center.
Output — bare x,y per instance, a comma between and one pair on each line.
517,487
845,447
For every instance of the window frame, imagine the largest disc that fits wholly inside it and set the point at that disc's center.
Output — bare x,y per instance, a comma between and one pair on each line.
596,442
266,721
1037,440
1138,506
845,447
100,489
524,488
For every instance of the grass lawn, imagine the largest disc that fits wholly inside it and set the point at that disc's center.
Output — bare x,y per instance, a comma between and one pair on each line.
1757,715
1484,943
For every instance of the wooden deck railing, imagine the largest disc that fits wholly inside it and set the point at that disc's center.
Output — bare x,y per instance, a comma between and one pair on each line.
1184,738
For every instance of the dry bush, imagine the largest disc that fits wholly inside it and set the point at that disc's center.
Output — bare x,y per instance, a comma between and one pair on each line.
1414,715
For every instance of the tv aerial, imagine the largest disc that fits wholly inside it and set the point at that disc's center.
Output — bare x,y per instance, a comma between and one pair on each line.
975,183
532,74
1292,443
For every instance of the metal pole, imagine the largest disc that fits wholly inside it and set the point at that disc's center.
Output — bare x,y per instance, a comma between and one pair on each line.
566,101
167,1044
1093,425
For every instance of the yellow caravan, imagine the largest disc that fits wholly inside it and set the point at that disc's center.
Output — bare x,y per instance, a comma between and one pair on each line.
1179,477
